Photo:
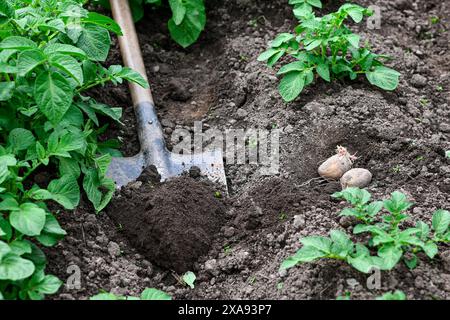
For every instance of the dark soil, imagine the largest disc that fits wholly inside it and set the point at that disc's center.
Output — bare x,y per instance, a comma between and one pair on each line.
172,224
399,136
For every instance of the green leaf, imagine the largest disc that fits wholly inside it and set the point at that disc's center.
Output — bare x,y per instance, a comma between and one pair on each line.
313,44
391,255
431,249
48,285
189,278
20,247
291,86
95,41
374,207
66,49
8,204
61,143
309,254
13,267
30,59
424,230
440,221
362,263
324,71
275,58
353,39
266,55
188,31
99,190
178,11
280,39
106,296
132,76
397,295
154,294
103,21
19,43
354,11
315,3
65,191
6,90
293,66
102,163
53,95
397,203
353,195
29,219
383,77
289,263
67,64
6,11
317,242
342,245
21,139
4,249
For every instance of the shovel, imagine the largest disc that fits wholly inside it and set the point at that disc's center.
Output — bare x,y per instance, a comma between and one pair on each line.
153,148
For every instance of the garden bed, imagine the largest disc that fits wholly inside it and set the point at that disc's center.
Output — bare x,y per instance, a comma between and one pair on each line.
400,136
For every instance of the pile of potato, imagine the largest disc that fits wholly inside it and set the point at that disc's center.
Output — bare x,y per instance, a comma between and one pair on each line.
340,165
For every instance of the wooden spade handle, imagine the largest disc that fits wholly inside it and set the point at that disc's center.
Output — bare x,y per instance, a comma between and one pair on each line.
130,49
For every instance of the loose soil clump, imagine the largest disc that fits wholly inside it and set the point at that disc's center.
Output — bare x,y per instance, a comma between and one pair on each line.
173,223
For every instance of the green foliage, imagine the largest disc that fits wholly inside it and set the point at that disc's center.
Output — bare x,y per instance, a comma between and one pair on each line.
397,295
447,154
325,47
189,279
390,242
50,54
186,24
147,294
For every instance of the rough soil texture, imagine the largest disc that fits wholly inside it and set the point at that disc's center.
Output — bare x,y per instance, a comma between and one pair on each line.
172,224
399,136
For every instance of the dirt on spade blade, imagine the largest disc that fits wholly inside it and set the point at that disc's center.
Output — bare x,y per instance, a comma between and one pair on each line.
173,223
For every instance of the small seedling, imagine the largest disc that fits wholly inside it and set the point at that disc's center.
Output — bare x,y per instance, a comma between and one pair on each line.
189,279
439,88
424,102
447,154
397,168
227,249
325,47
283,216
280,285
218,194
252,279
435,20
420,158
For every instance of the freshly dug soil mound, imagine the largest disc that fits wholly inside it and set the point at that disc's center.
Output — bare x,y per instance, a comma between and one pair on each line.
171,223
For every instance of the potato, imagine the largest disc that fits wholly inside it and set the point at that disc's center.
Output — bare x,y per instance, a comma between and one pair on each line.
335,166
357,177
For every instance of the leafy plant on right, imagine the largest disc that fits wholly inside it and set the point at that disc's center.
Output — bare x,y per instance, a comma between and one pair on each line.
326,47
388,237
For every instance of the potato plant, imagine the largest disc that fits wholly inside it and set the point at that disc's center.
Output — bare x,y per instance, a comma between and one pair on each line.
387,236
325,47
187,22
50,54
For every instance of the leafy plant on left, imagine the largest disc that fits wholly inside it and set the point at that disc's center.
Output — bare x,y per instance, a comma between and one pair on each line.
50,54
